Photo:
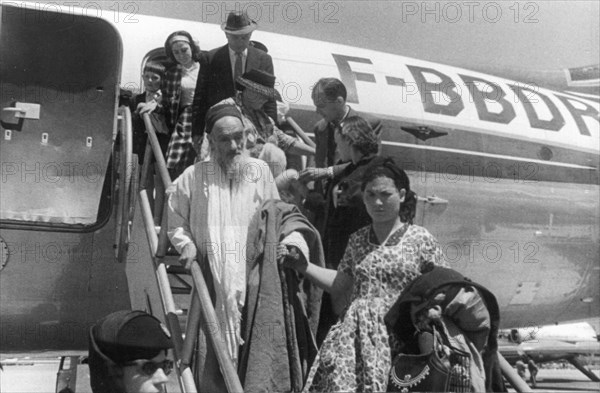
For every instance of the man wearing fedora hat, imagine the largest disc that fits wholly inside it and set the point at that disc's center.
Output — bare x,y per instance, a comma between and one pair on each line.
227,63
264,139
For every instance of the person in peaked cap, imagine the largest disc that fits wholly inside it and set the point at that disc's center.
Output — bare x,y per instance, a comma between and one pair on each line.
226,64
128,353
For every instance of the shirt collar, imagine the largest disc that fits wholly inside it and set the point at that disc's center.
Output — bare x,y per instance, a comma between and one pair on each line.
336,123
345,114
232,52
153,95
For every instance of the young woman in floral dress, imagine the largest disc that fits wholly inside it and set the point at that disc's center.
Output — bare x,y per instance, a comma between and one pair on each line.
380,260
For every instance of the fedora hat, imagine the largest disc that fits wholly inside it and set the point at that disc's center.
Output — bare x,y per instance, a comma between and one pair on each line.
238,23
260,82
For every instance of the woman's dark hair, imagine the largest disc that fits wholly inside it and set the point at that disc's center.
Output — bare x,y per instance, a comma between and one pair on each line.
389,169
195,48
360,134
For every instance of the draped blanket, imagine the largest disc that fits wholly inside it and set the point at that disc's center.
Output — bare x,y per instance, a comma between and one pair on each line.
281,313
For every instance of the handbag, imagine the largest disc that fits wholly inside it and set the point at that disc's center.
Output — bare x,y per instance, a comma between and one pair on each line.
443,369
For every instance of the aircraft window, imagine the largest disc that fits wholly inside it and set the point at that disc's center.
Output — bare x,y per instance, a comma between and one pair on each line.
71,195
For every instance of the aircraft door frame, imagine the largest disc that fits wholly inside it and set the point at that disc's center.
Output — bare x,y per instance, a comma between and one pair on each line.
59,103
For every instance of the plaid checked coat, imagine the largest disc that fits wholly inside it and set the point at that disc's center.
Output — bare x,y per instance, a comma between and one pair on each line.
180,153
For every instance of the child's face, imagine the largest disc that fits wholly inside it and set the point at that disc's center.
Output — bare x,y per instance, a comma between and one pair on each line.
151,81
295,193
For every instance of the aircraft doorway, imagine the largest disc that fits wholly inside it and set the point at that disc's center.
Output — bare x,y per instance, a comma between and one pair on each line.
59,157
58,117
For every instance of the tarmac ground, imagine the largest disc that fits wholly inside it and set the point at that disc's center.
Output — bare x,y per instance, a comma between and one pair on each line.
564,380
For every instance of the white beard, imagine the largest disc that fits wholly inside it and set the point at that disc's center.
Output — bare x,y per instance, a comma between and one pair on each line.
234,168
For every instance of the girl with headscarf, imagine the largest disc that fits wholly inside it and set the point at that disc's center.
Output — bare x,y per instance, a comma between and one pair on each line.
178,89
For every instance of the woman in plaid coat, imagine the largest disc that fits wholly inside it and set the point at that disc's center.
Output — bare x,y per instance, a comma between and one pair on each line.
178,89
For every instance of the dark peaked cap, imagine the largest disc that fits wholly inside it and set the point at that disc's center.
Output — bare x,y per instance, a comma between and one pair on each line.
124,336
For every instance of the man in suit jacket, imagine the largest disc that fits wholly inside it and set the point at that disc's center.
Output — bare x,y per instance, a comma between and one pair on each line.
224,65
329,98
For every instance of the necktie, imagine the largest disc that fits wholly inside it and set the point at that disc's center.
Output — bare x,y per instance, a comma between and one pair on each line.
331,156
237,69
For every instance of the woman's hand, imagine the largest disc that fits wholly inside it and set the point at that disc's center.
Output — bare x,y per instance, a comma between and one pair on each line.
313,174
291,257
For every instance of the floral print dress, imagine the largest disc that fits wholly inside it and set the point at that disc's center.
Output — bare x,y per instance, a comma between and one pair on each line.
356,354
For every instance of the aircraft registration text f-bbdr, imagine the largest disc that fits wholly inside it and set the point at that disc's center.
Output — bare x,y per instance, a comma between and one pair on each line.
506,172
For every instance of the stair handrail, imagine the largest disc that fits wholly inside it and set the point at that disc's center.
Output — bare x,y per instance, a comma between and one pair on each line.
157,152
300,132
184,371
126,176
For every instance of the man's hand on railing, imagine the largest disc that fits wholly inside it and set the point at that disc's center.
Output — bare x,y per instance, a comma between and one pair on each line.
188,255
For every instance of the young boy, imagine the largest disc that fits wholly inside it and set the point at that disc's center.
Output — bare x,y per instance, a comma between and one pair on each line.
152,74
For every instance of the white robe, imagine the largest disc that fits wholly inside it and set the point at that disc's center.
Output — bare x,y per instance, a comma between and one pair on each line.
214,210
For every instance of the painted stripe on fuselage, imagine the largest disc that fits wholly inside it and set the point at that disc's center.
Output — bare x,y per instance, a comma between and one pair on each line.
467,153
584,95
498,156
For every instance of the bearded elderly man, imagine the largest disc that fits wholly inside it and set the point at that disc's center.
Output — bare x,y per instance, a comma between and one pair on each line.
210,208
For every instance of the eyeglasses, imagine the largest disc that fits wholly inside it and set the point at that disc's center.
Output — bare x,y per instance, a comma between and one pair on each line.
149,367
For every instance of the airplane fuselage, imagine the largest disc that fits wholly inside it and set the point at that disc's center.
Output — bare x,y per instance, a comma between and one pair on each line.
507,176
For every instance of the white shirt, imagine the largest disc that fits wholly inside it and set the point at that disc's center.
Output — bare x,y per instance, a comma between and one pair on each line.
189,77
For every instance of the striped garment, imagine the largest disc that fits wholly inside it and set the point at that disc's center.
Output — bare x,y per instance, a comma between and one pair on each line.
180,153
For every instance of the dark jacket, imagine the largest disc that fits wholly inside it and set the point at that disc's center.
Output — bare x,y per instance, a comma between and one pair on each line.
325,154
423,293
217,84
140,136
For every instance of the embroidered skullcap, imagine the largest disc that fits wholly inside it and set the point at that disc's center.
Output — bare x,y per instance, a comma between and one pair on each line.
220,111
